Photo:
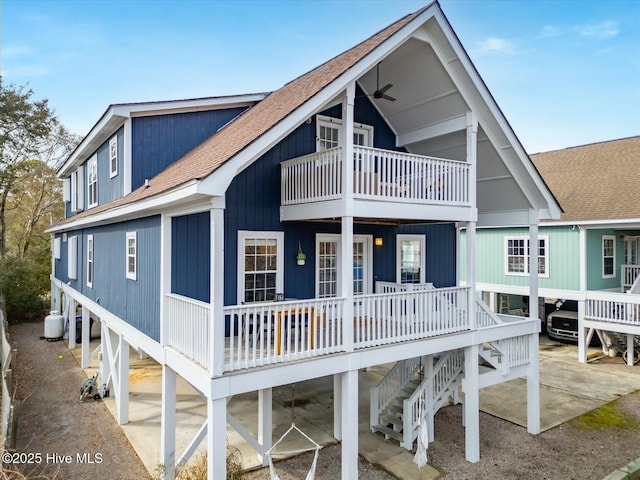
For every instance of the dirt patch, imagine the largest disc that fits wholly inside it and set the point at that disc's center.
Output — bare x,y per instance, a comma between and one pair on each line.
65,438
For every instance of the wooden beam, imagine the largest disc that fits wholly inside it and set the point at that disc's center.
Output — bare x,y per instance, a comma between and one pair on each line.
445,127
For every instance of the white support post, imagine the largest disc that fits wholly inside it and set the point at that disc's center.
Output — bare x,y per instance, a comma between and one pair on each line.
472,155
55,298
533,264
105,365
349,380
265,422
428,401
216,439
337,407
582,333
471,274
123,380
346,275
471,404
347,142
168,423
86,337
216,294
72,323
630,350
165,273
533,386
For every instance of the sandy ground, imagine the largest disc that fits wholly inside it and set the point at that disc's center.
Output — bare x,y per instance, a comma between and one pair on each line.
54,421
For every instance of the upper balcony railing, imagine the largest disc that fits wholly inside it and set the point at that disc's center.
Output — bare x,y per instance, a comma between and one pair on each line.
629,275
377,175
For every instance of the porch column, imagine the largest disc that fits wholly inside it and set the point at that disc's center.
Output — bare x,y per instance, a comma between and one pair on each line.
349,382
346,283
265,421
533,386
471,388
216,294
165,273
533,264
347,142
427,361
582,333
472,154
337,407
582,304
123,378
86,337
168,423
55,297
105,365
471,274
72,323
630,350
216,439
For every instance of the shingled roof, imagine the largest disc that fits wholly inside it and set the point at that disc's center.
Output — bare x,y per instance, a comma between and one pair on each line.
252,124
598,181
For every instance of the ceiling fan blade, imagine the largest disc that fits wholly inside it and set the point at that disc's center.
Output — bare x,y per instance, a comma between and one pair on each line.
388,97
384,89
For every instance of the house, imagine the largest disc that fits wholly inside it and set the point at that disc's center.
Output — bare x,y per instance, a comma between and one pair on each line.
229,240
590,255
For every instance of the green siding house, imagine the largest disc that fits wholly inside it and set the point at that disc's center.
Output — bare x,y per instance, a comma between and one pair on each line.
590,255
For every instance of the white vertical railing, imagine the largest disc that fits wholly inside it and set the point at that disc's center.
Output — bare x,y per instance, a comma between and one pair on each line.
312,178
381,319
188,328
486,318
613,307
404,176
629,275
275,332
392,287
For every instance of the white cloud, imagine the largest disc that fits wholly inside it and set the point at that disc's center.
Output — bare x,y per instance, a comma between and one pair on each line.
605,29
550,31
494,45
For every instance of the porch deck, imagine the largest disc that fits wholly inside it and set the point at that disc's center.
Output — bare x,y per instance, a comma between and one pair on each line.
279,332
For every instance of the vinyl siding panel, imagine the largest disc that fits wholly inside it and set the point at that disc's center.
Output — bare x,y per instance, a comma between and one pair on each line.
594,260
160,140
191,256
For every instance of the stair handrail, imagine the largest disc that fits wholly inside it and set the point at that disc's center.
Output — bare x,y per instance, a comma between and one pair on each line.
392,383
444,373
635,287
486,317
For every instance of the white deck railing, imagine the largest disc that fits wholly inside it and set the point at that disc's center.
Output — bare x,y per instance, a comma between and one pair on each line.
265,333
188,328
381,319
393,287
613,307
378,175
486,317
629,275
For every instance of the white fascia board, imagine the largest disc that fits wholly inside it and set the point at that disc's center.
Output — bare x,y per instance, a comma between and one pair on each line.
553,209
523,290
622,223
511,218
132,335
217,183
142,208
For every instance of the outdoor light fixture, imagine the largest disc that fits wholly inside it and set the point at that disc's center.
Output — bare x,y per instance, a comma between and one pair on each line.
378,241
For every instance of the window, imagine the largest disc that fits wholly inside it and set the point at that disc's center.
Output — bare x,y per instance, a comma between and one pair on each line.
113,157
132,255
260,266
608,256
410,259
89,260
517,256
92,181
631,251
328,133
72,257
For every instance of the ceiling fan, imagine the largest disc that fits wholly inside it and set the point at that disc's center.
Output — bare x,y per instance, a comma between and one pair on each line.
381,92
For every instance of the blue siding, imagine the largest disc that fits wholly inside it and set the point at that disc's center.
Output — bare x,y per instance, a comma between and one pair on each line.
110,189
190,256
160,140
137,302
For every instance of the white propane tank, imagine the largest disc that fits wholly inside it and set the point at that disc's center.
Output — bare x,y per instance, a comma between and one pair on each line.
53,325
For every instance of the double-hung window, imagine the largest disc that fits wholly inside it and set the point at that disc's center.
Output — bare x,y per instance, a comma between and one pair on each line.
113,157
131,255
89,260
608,256
92,181
517,256
329,129
260,266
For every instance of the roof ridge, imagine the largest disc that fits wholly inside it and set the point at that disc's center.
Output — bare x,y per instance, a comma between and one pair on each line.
587,145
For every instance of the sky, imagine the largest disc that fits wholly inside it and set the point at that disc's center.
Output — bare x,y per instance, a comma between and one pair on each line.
564,72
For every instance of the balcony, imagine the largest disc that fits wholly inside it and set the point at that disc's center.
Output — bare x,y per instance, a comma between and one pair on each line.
270,333
378,176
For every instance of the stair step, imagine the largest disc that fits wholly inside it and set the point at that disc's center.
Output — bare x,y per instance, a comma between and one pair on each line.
395,410
387,432
389,419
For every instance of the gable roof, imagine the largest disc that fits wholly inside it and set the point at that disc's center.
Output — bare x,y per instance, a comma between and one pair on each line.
598,181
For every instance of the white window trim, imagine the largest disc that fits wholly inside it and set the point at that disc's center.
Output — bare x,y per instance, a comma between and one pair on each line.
423,252
545,238
323,120
72,257
90,261
56,247
113,155
244,235
92,202
79,194
613,239
131,275
73,190
66,189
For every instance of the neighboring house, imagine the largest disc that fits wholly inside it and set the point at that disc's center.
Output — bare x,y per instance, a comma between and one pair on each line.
253,241
591,255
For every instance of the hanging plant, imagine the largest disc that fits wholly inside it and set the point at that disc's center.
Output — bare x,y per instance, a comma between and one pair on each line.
301,258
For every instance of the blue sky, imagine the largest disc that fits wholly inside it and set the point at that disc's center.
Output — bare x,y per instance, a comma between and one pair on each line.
564,72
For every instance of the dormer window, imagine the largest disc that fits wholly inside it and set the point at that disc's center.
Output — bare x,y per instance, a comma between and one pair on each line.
113,157
92,182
